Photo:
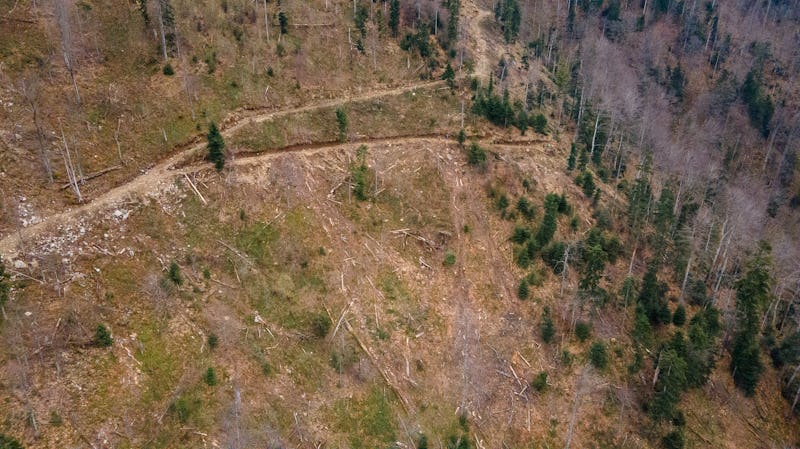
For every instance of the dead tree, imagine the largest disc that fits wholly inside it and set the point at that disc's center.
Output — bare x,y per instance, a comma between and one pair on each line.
70,167
29,88
62,16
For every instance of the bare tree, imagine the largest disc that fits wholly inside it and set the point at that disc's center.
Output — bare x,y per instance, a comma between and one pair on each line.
63,18
30,88
70,167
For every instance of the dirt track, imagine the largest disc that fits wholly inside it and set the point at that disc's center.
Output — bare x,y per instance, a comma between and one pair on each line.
165,170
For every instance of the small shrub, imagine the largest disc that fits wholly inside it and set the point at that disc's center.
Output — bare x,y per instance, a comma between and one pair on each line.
522,290
567,357
168,70
102,337
502,202
174,274
213,341
266,369
9,443
673,440
341,123
598,355
476,155
539,382
210,377
582,330
216,147
55,419
184,408
320,325
449,259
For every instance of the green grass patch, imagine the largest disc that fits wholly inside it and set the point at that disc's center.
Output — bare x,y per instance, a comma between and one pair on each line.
368,422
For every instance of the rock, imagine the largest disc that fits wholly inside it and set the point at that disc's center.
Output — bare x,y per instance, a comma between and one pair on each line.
20,265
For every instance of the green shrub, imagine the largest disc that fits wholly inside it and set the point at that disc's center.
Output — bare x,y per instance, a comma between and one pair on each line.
449,259
522,290
521,234
476,155
539,382
213,341
546,327
7,442
320,325
174,274
673,440
341,122
184,408
216,147
102,337
168,70
210,377
582,330
598,355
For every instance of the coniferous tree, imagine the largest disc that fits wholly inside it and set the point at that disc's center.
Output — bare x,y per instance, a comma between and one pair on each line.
752,292
102,337
449,76
394,16
5,286
216,147
341,122
546,327
283,21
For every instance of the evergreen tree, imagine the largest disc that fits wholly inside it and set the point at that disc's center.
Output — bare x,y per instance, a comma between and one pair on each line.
746,366
283,21
679,317
598,355
671,383
394,16
573,153
449,76
546,327
453,7
210,377
522,290
752,292
216,147
102,337
341,122
5,285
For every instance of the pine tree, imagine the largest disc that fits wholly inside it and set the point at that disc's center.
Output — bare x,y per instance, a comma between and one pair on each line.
548,330
216,147
522,290
573,154
102,337
341,122
679,317
453,7
283,20
394,16
5,285
449,76
210,377
752,292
